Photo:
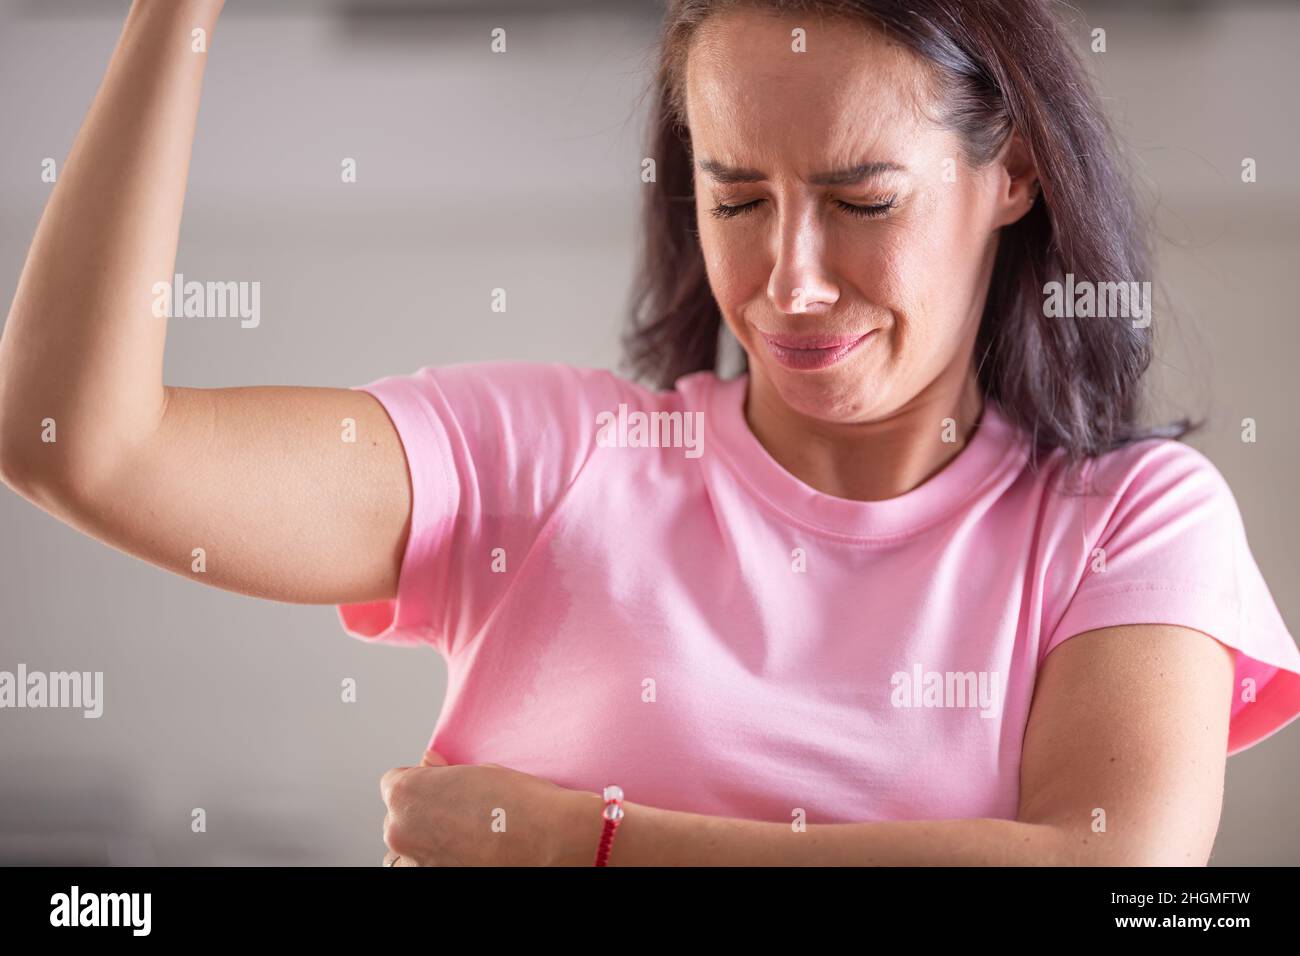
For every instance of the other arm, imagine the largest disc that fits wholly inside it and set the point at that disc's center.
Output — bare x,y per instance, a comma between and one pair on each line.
1132,720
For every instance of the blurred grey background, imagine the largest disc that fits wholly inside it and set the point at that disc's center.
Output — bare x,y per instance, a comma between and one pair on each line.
476,171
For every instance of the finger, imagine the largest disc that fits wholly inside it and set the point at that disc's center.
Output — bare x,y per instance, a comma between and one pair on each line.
388,779
432,758
396,859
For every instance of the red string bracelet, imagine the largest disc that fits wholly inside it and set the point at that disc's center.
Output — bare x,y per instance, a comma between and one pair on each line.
613,814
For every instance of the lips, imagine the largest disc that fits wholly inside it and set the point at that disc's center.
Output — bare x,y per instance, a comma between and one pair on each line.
813,352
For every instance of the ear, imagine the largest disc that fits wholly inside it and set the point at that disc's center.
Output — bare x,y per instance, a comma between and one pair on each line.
1016,181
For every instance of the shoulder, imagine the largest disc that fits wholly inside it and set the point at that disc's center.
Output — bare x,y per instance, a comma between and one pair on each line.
1159,481
548,408
1150,475
535,385
1155,537
1155,465
512,380
1142,528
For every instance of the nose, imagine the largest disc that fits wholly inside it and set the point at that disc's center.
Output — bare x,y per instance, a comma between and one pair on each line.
801,281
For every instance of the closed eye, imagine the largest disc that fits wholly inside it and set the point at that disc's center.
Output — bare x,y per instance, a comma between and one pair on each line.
873,211
723,211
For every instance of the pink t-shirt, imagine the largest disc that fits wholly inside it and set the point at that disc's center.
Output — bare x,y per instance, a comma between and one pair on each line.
651,600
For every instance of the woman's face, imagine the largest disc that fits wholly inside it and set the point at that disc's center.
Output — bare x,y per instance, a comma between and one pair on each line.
853,246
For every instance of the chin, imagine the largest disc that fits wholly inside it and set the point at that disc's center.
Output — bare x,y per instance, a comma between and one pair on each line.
835,395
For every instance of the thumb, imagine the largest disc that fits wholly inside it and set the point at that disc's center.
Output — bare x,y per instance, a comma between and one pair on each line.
433,759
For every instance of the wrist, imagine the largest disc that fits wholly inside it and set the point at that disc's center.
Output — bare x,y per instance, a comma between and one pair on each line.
577,830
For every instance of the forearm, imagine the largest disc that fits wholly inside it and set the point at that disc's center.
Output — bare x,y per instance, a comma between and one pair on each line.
649,836
81,344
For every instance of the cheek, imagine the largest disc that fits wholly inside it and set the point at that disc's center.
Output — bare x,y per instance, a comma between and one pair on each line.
880,263
735,268
918,268
959,232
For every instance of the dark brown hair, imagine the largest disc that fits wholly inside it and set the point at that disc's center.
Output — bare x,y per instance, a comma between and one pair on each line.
1001,65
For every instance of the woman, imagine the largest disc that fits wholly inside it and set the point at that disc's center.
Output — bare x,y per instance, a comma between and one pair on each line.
819,613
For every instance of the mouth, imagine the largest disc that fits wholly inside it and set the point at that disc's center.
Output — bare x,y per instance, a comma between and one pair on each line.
804,353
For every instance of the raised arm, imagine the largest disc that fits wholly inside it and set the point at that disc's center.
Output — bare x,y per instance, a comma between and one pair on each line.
260,479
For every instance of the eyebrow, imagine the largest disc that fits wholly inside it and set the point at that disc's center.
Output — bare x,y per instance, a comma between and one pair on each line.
729,175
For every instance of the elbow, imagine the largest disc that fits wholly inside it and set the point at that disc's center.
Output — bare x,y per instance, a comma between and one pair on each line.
23,467
20,445
1165,842
41,470
16,469
65,460
1130,850
1173,854
1062,845
26,476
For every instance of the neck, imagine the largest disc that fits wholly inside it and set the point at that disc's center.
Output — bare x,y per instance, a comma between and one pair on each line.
868,461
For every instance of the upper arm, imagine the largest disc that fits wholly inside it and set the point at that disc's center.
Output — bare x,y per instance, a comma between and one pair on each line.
262,490
1131,721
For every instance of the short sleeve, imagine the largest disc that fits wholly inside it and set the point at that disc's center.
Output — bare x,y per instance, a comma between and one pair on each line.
1168,546
490,448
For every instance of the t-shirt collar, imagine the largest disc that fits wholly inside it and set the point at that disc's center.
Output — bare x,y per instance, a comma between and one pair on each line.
992,453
